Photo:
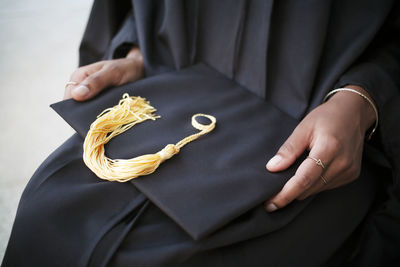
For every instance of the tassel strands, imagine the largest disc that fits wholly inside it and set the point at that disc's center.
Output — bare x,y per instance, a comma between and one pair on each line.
130,111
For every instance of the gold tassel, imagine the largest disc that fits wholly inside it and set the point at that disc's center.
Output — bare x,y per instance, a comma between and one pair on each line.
118,119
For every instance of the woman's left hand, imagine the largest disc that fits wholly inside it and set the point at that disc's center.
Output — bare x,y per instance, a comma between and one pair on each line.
334,134
88,81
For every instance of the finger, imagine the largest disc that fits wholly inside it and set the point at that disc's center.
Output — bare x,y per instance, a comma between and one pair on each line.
341,169
326,180
80,75
330,183
320,185
338,174
324,153
306,175
293,147
94,84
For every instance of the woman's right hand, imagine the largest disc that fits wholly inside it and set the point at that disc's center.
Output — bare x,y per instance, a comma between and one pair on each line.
89,80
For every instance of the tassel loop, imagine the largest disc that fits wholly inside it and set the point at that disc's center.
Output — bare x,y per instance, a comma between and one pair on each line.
204,128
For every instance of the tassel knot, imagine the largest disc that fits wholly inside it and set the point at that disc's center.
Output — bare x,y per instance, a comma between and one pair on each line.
168,151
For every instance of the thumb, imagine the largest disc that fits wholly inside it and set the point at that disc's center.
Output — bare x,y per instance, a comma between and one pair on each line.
293,147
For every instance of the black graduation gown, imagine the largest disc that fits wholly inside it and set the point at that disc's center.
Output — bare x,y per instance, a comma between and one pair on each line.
259,67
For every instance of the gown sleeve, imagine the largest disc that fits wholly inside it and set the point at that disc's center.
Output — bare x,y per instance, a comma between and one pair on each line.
378,70
124,40
109,32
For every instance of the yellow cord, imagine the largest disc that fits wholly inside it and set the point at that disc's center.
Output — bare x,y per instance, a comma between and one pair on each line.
113,121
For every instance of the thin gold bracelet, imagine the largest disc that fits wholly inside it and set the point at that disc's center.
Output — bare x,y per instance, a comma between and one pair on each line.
363,96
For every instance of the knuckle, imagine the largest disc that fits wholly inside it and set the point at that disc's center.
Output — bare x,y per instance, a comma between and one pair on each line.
344,164
110,66
304,196
115,71
94,82
77,72
354,172
349,164
304,181
287,149
95,79
333,146
283,200
117,74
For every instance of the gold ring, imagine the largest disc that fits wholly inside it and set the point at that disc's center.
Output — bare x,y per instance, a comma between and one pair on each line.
70,83
318,162
323,180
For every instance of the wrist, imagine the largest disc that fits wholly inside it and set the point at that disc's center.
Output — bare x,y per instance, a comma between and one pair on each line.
137,59
364,110
135,53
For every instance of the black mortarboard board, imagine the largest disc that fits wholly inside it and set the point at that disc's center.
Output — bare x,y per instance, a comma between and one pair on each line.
214,179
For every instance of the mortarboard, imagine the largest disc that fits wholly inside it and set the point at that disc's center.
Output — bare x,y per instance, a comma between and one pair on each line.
218,177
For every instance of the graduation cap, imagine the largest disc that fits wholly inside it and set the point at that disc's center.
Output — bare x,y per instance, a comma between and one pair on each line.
215,179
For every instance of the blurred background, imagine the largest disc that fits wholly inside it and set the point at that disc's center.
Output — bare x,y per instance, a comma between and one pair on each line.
39,41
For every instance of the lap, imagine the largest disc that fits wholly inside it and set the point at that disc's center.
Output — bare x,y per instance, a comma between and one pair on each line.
69,217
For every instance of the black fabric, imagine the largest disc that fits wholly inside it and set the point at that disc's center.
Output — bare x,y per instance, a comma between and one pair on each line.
201,207
259,65
292,53
107,18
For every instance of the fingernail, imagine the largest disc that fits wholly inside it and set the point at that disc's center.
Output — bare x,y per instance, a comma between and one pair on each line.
271,207
274,161
81,90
